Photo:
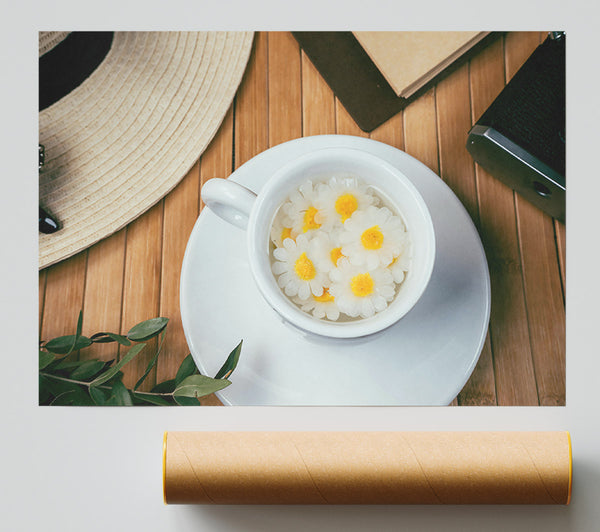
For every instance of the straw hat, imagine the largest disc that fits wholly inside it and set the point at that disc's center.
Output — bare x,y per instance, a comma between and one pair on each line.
121,140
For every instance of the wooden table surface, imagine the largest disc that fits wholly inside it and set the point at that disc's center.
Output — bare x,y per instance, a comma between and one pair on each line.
134,274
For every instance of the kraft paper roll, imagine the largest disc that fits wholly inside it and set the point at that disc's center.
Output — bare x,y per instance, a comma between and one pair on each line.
367,468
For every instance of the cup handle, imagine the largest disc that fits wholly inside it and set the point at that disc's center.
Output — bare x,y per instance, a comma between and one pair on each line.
228,200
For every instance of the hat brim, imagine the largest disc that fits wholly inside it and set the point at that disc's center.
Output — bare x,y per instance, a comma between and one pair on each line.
129,133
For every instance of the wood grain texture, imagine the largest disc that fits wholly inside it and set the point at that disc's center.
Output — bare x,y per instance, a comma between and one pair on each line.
41,297
561,240
513,365
318,102
63,299
284,87
519,45
453,123
251,123
545,307
487,74
345,124
454,120
420,131
391,132
180,214
217,159
141,287
103,297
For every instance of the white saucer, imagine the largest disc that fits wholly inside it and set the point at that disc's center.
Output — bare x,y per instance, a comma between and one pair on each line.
425,359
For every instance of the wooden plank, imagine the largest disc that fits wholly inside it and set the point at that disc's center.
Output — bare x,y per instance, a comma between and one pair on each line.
454,120
561,239
181,211
513,365
345,124
141,287
318,102
64,296
103,297
519,45
285,88
251,108
420,126
541,270
515,378
41,297
545,306
481,387
217,161
454,123
391,132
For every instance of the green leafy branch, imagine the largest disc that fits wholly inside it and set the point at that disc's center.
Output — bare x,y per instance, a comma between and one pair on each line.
99,382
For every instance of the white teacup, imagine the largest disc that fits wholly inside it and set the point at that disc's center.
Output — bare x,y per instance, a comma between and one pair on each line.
255,213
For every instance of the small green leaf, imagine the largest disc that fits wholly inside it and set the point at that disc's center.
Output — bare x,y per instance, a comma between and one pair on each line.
187,401
152,399
147,329
198,386
63,345
186,369
46,358
98,395
58,386
67,365
151,363
77,333
119,395
165,387
106,337
64,399
113,371
43,391
79,324
88,369
231,363
74,395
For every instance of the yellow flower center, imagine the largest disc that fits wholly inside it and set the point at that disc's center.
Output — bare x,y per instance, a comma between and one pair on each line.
304,268
345,205
309,219
325,298
372,238
362,285
286,233
336,254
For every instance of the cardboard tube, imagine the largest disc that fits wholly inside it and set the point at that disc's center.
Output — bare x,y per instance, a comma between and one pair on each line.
367,467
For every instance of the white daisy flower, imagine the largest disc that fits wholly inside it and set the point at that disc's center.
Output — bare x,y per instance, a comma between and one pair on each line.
295,269
321,306
328,249
282,228
400,265
373,238
301,209
359,292
341,196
